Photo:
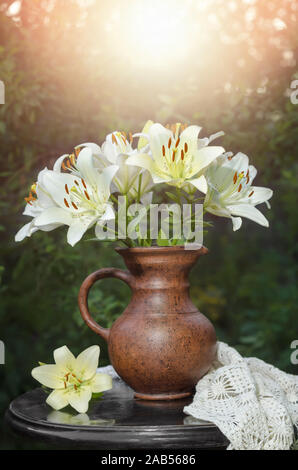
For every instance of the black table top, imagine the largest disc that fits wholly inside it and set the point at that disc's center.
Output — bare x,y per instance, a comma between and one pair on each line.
116,421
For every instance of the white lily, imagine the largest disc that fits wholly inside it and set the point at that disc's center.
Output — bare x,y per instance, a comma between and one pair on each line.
82,199
230,192
129,180
176,158
73,380
37,201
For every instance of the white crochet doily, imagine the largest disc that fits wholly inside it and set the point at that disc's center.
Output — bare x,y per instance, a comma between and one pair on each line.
254,404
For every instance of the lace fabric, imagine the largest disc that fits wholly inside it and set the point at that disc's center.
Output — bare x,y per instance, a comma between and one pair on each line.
254,404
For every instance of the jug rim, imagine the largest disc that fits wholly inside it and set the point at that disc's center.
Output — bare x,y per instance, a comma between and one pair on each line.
162,249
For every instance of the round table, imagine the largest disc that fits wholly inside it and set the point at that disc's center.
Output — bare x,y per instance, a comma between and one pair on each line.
116,421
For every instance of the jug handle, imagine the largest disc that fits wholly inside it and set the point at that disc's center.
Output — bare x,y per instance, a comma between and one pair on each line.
84,291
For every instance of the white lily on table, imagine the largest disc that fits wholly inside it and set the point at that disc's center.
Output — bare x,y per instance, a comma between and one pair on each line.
73,380
176,156
230,192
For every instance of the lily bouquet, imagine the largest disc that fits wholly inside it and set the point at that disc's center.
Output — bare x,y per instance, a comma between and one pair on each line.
110,187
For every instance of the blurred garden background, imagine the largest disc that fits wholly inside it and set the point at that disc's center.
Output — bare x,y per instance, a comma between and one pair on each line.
77,70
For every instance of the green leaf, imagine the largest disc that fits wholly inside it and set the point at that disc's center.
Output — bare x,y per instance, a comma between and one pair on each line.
162,240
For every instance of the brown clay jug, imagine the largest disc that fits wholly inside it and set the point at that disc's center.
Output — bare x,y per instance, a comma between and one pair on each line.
161,345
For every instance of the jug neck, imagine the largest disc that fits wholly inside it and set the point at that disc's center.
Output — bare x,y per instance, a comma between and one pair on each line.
158,268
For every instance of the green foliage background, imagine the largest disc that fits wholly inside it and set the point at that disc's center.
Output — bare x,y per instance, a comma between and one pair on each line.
57,96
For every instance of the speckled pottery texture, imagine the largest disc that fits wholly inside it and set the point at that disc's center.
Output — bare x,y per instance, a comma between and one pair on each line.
161,345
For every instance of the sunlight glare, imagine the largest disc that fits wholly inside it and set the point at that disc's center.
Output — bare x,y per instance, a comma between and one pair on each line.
158,32
14,8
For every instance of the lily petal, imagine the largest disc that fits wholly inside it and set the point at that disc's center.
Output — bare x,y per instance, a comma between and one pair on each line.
58,399
250,212
58,163
79,399
64,357
190,136
85,166
109,214
105,179
216,136
142,160
54,215
48,375
204,156
200,183
142,140
158,137
26,231
54,184
96,150
260,194
76,230
239,162
237,222
101,382
87,362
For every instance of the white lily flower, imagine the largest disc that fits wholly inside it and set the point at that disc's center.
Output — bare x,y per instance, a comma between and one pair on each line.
230,192
73,380
176,158
37,201
129,180
82,199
